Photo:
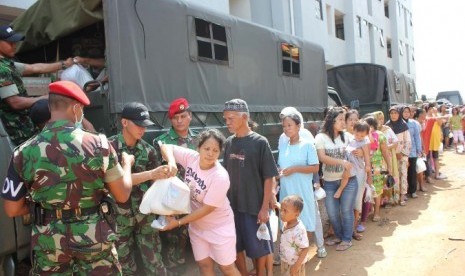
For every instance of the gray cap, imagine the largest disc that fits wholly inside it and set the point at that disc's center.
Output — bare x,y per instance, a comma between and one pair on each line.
238,105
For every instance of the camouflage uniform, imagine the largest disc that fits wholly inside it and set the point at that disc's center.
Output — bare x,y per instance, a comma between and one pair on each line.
134,230
64,168
174,242
17,123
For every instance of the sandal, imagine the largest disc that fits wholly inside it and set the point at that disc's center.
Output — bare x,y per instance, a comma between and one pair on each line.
333,241
357,236
343,246
376,218
360,228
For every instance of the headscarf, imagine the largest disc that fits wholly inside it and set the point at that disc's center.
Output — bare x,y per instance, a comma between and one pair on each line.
402,108
400,125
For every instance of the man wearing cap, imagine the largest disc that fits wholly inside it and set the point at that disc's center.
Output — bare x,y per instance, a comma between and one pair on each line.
61,177
135,235
175,241
14,101
252,171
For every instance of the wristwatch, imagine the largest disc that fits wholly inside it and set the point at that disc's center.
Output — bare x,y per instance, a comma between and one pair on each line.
63,66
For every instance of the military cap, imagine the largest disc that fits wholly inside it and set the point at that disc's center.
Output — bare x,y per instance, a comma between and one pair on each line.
177,106
69,89
137,113
8,34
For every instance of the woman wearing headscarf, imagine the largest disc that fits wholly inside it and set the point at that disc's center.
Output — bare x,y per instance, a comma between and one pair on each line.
283,144
404,145
392,141
414,129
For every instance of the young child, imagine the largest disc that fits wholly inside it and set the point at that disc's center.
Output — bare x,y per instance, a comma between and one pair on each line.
456,128
361,165
294,240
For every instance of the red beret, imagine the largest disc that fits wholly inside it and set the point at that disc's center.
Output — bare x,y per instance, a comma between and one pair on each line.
177,106
69,89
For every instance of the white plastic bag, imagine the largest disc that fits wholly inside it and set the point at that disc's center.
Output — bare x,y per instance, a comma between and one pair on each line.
263,233
166,197
159,223
77,74
319,192
441,148
370,193
421,166
274,225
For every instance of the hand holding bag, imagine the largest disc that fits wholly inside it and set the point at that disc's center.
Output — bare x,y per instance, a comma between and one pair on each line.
166,197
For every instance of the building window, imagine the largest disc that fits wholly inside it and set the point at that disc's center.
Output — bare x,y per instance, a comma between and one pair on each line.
381,37
318,10
406,22
339,24
386,8
290,59
370,7
389,47
211,42
401,47
359,25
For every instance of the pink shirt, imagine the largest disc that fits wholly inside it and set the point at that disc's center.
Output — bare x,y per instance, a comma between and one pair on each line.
207,187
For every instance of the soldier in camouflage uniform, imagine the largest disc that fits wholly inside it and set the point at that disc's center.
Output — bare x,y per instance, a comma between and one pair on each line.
175,241
14,102
135,235
67,173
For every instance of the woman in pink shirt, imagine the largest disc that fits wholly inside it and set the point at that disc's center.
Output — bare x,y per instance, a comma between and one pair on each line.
211,223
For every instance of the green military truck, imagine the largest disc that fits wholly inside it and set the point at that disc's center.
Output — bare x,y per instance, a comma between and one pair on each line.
157,51
371,87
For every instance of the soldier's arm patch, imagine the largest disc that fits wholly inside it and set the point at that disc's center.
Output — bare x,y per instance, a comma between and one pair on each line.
8,90
14,187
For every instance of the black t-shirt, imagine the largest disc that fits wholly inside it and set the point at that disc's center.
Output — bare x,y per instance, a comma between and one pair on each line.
249,161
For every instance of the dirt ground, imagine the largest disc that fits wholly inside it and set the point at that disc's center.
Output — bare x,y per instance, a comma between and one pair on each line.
426,237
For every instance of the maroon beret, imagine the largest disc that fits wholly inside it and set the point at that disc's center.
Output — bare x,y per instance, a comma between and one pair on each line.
69,89
177,106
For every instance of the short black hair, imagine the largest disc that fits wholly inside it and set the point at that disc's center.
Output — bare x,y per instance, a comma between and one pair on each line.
371,121
211,133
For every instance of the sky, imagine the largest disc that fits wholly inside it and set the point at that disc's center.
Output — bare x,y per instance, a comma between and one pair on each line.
438,31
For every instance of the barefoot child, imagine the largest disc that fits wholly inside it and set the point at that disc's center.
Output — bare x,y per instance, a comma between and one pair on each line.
361,165
294,240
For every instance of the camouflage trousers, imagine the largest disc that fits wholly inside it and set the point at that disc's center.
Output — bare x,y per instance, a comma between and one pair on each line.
136,238
81,247
174,244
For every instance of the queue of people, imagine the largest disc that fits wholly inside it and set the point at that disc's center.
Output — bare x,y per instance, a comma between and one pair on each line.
83,189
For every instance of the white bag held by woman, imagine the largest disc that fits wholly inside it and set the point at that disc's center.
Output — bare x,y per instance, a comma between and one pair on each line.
421,166
166,197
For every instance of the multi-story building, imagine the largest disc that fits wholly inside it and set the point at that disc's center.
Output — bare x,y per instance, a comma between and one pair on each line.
350,31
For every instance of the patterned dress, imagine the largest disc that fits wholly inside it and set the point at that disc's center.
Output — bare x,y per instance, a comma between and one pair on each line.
377,161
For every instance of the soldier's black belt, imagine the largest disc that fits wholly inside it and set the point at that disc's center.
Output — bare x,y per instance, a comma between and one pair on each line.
70,213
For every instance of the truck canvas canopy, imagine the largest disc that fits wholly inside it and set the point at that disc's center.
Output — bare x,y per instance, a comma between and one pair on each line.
371,87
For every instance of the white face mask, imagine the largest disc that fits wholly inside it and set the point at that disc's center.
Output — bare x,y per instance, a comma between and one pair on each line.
78,123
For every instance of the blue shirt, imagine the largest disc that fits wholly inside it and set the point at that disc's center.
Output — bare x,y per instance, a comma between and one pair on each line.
414,129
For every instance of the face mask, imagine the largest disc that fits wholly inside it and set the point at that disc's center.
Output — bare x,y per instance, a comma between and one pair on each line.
78,123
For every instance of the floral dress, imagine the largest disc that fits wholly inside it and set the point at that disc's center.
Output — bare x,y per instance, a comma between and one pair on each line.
377,161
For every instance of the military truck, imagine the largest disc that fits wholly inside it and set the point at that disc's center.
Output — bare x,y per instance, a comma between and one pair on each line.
371,87
157,51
